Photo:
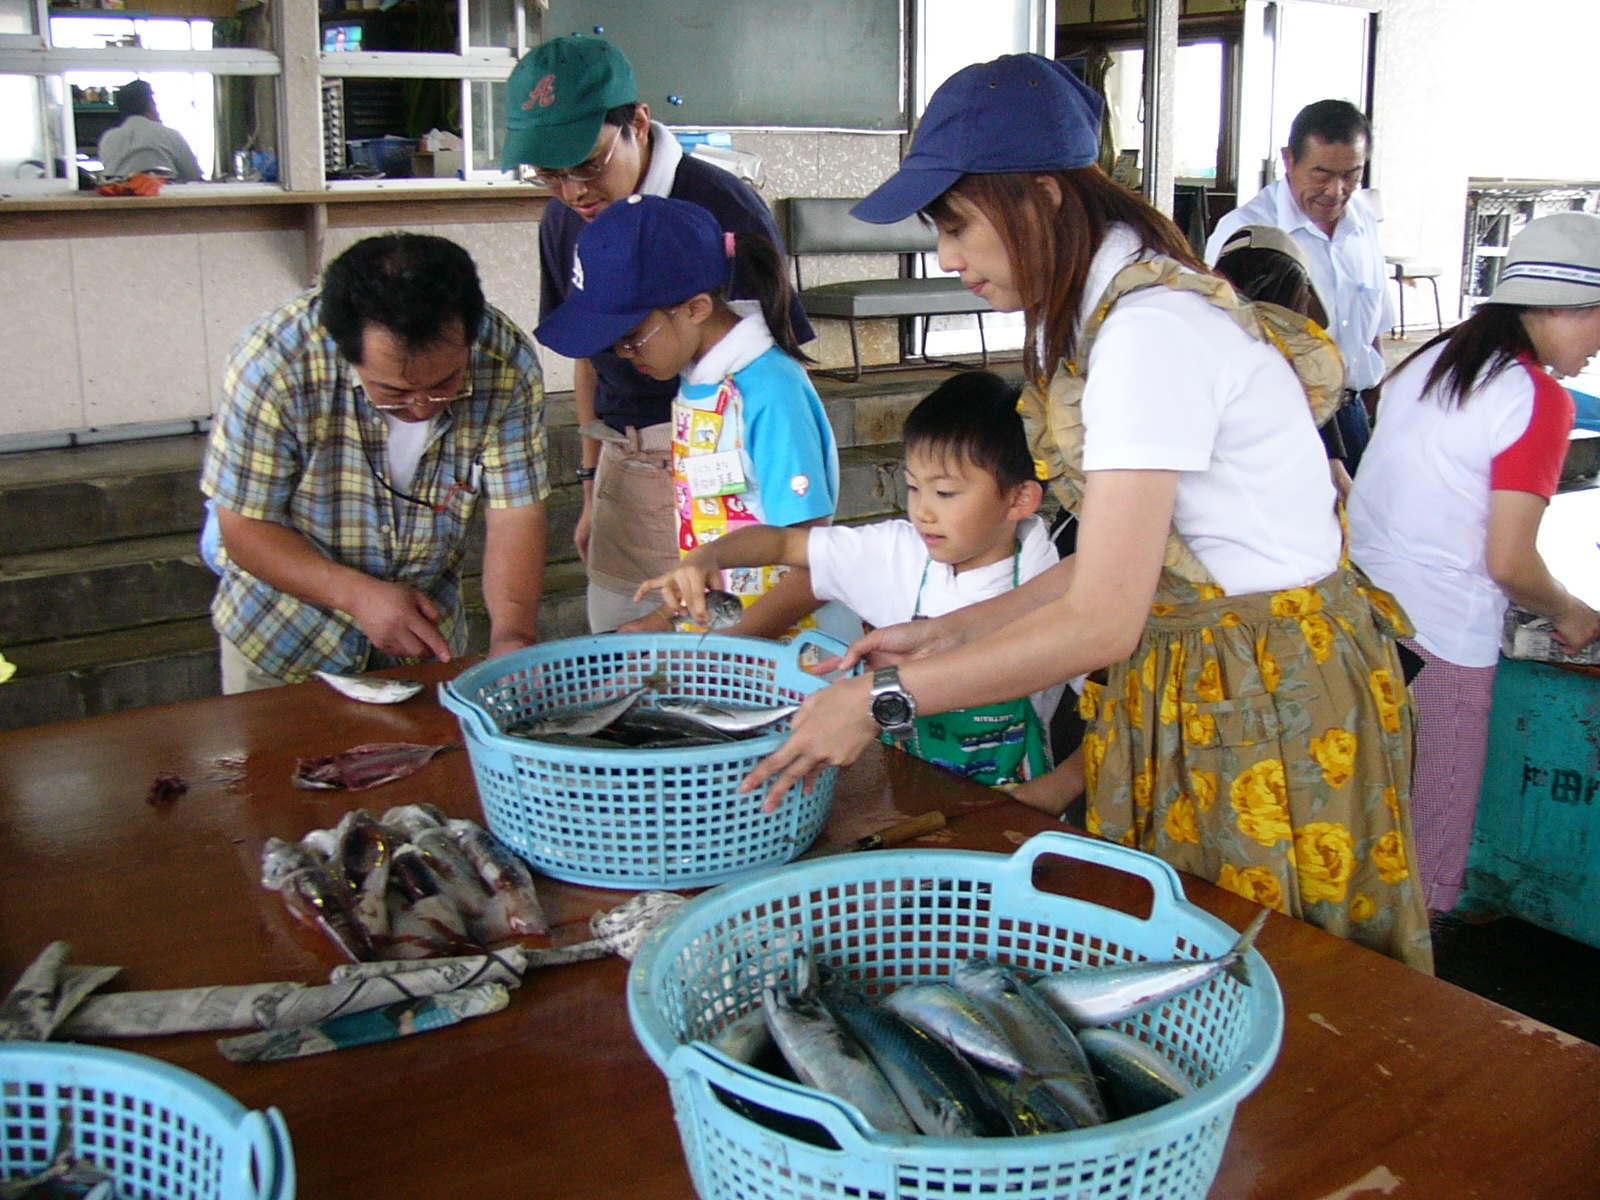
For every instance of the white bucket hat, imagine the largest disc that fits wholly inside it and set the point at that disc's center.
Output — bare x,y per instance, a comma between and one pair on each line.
1553,263
1265,237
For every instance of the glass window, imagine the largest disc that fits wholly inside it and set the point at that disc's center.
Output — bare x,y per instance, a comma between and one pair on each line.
492,23
17,17
1197,103
23,152
488,125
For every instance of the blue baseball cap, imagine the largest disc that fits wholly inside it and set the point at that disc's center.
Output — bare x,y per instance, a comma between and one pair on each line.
1021,112
645,253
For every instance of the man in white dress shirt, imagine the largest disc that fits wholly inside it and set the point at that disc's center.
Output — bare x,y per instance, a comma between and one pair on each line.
1319,204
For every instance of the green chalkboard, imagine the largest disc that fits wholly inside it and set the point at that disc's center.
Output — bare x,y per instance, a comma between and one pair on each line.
816,63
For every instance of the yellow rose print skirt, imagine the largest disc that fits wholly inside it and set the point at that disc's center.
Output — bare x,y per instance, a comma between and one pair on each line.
1264,742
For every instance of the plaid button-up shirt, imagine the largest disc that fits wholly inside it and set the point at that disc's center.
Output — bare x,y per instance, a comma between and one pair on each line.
296,443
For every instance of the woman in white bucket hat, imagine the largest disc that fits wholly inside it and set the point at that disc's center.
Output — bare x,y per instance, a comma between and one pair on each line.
1471,436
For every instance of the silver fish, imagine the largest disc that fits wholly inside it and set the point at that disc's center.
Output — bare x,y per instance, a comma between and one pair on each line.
369,690
1106,995
280,859
825,1057
586,722
1030,1108
725,720
1135,1076
746,1040
960,1021
405,821
1041,1038
936,1085
724,609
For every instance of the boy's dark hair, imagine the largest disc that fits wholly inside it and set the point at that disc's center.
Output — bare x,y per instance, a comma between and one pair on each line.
135,99
622,115
973,416
412,284
1337,122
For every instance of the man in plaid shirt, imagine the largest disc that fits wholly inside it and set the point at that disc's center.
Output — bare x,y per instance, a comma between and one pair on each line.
359,426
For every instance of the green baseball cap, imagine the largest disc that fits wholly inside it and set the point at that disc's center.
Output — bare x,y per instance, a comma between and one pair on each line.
557,99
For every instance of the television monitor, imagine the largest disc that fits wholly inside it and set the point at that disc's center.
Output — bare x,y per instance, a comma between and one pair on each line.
344,36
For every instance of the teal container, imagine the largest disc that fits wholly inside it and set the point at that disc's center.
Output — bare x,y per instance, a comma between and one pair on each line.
1536,844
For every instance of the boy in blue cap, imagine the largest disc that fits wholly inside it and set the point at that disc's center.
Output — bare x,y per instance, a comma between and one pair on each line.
574,115
750,441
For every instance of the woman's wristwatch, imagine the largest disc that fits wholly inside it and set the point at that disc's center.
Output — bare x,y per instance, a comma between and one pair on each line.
893,708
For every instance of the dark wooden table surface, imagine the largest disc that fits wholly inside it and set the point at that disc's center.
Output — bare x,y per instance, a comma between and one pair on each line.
1389,1082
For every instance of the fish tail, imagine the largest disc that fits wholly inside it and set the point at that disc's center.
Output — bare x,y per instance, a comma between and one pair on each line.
1235,956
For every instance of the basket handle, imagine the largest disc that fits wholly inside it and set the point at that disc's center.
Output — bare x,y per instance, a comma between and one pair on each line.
825,642
1163,880
468,714
267,1147
703,1066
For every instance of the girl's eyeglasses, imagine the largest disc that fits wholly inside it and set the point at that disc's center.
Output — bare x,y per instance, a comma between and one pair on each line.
401,406
584,172
632,345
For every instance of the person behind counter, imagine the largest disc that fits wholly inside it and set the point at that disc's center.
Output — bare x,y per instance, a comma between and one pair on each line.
1446,511
1265,264
1252,726
577,120
1319,203
970,533
359,426
141,144
751,443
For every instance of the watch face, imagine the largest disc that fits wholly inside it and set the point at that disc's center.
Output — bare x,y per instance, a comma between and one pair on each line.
891,710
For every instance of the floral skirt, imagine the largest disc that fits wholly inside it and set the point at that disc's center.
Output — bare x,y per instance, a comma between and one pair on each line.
1264,742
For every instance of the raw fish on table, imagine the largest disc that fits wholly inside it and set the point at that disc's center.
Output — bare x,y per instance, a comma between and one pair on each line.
369,690
363,767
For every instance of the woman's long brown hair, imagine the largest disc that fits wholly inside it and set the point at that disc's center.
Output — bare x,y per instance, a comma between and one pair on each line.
1050,249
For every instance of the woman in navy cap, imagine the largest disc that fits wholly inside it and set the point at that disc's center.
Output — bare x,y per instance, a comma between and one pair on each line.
1248,720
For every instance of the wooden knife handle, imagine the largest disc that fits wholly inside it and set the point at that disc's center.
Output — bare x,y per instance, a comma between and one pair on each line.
904,832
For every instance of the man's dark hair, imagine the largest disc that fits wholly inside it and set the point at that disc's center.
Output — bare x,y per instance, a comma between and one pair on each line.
1337,122
412,284
973,418
622,115
135,99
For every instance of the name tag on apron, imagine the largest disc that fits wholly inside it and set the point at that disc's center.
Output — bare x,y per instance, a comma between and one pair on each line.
714,474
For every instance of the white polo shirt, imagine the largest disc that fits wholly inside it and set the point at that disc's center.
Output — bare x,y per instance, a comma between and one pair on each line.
1348,271
1174,385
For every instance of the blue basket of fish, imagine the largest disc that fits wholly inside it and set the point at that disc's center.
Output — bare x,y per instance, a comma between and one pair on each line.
615,761
924,1024
89,1121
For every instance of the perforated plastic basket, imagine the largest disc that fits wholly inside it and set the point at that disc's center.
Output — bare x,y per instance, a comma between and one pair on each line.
637,818
160,1131
890,918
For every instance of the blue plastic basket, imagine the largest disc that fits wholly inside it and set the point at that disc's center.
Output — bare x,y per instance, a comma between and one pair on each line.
637,818
160,1131
891,918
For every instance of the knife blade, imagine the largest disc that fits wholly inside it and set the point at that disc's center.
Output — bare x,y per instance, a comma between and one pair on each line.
893,836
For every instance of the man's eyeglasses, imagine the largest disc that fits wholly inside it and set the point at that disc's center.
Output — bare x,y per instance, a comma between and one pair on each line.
632,345
401,406
585,172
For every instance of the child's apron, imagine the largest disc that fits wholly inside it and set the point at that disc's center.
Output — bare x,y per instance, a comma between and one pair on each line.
992,743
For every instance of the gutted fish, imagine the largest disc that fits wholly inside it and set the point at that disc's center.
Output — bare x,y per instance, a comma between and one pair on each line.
362,860
280,859
1042,1040
363,767
722,719
827,1058
1134,1076
1107,995
322,902
939,1089
514,910
959,1021
369,690
430,916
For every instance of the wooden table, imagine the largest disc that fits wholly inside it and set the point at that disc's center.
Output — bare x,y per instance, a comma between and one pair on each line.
1389,1082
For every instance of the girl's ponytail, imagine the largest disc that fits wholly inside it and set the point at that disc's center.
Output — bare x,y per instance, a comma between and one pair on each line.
764,275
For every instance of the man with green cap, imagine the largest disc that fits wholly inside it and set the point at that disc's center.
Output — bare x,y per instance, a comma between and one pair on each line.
574,116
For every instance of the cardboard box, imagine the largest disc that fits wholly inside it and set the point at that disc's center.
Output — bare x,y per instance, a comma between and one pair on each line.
438,164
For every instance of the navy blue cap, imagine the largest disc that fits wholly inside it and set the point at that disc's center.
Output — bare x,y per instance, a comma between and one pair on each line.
638,255
1021,112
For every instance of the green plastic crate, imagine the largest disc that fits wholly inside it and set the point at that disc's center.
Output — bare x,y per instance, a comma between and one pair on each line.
1536,844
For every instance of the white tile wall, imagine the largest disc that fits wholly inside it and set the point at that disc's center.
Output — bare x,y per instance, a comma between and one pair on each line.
38,338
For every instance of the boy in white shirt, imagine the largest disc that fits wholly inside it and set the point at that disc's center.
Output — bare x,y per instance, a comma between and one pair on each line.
971,495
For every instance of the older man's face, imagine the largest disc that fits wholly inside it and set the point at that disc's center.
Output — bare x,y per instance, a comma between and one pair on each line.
1324,178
